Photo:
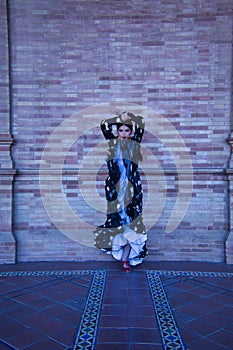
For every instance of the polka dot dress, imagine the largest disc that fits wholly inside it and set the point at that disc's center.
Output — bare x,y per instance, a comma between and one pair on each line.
123,189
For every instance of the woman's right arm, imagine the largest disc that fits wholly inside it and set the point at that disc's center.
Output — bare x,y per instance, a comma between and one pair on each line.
106,127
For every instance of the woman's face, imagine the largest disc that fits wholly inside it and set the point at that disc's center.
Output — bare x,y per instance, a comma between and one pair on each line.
124,132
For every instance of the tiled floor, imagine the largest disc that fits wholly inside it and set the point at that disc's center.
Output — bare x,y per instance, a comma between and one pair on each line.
93,305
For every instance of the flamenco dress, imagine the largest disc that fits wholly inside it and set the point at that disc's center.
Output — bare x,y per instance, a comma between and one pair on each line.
123,189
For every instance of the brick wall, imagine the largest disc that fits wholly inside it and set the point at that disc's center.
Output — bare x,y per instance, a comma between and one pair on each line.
170,57
7,241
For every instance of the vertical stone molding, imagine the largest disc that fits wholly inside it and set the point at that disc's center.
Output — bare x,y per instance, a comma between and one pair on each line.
229,240
7,241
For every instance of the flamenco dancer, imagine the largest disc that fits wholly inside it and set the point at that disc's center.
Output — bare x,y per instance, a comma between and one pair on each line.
123,234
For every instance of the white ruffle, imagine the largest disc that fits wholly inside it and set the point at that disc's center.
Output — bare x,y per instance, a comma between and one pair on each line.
136,242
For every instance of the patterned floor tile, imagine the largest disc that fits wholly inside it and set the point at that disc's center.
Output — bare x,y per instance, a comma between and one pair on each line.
47,306
171,337
193,308
78,309
87,331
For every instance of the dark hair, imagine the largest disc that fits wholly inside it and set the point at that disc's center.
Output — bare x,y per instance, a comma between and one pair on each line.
127,123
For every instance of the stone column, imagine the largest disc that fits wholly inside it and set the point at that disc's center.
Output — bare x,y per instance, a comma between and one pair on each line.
7,241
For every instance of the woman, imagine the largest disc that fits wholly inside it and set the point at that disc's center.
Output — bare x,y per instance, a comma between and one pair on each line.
123,234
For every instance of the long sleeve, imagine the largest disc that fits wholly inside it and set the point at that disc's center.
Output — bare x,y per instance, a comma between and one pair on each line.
138,128
106,127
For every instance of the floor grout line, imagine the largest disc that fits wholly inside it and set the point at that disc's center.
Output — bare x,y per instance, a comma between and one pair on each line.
87,330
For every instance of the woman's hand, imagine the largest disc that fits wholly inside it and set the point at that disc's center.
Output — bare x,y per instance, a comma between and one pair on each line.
125,117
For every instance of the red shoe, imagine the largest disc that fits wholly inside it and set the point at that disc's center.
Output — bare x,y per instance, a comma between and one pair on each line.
125,266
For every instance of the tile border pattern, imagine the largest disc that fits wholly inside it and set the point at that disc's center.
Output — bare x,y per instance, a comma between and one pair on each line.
88,326
193,273
169,331
49,273
92,272
86,335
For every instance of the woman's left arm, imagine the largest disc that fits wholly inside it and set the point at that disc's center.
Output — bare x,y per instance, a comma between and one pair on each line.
139,127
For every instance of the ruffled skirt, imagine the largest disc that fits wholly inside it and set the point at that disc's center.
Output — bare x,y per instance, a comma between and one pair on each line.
137,244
